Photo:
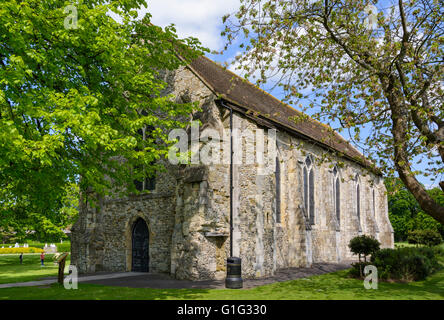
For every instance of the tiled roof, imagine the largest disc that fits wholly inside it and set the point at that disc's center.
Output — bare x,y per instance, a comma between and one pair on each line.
258,104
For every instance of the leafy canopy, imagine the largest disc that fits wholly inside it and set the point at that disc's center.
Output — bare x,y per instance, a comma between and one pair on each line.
75,89
405,213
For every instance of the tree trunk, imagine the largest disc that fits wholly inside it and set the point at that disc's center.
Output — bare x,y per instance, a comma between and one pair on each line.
399,130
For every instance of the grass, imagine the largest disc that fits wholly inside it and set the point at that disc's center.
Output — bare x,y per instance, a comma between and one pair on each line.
328,286
12,271
333,286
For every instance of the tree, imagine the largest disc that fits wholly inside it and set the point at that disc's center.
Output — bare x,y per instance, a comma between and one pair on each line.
363,245
75,89
363,66
405,213
426,237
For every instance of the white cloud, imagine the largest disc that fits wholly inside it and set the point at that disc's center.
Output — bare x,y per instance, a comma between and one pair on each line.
201,19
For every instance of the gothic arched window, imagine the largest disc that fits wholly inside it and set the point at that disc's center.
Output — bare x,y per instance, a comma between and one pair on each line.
278,190
309,200
337,194
358,200
374,209
149,183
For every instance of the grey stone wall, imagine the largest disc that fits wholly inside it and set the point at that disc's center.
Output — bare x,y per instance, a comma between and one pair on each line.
188,213
101,238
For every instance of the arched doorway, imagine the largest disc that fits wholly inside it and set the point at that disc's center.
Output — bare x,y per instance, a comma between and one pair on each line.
140,253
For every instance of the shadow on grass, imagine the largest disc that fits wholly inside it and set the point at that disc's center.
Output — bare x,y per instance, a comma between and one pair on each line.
335,285
99,292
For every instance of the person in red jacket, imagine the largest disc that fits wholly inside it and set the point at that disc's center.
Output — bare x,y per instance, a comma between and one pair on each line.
42,258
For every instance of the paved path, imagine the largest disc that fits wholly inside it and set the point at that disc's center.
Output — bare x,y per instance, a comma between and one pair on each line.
164,281
109,276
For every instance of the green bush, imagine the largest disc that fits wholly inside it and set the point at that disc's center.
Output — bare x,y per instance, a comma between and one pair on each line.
413,237
357,269
37,245
363,245
431,238
425,237
405,264
63,247
31,244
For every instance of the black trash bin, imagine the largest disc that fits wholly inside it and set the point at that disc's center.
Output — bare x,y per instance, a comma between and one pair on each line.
234,273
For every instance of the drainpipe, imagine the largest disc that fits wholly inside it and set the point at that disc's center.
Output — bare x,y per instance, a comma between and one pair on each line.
234,271
231,174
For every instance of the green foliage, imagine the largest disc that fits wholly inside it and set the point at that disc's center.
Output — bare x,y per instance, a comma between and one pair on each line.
405,213
414,236
364,245
63,247
72,99
425,237
406,264
357,268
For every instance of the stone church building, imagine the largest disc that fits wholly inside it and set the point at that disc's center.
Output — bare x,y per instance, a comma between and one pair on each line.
303,212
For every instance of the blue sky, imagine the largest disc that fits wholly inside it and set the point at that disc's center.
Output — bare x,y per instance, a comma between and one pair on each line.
202,19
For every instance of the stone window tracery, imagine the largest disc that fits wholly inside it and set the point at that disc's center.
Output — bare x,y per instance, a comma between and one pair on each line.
149,183
337,195
278,190
309,200
358,200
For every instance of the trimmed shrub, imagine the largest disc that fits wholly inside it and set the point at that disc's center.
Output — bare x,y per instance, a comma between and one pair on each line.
30,243
37,244
20,250
63,247
364,245
405,264
425,237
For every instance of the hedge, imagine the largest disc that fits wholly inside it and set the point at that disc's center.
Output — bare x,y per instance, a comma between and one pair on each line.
406,264
61,247
426,237
31,244
20,250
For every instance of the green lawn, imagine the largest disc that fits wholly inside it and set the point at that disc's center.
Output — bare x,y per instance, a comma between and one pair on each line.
12,271
328,286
